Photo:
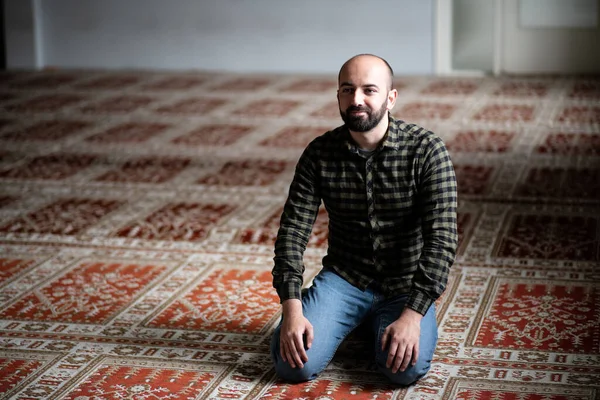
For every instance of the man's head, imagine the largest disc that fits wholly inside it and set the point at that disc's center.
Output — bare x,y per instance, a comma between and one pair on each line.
365,92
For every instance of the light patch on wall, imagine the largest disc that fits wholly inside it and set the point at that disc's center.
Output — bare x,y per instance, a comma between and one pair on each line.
558,13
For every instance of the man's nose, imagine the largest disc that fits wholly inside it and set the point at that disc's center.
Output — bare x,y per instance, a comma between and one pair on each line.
358,99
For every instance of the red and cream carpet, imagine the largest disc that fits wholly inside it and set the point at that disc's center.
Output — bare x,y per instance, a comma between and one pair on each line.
138,212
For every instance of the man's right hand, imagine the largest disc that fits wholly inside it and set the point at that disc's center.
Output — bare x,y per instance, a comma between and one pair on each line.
293,329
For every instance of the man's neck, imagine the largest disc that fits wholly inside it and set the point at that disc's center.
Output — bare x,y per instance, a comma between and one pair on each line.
370,140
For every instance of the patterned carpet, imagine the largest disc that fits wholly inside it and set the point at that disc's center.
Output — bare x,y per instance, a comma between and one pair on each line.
138,211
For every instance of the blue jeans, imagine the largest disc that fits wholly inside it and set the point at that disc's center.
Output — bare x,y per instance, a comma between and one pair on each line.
335,307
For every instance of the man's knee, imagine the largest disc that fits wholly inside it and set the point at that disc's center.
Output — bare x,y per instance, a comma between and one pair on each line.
284,370
408,376
294,375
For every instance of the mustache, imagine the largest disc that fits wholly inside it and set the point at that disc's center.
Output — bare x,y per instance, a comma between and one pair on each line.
356,108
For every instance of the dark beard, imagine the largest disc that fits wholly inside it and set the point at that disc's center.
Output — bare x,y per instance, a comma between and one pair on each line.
359,123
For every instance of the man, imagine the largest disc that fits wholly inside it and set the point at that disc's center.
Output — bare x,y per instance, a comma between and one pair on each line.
390,192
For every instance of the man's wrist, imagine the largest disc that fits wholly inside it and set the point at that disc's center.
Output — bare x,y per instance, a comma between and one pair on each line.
411,314
291,307
419,302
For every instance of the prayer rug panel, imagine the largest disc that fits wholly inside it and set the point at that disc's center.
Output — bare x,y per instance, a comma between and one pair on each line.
225,300
548,315
91,292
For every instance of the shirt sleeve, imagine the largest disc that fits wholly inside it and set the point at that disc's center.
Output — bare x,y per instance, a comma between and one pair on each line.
438,204
299,214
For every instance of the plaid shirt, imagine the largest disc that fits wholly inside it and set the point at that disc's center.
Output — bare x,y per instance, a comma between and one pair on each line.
392,214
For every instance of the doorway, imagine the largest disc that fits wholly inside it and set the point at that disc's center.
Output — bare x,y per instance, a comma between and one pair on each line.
518,36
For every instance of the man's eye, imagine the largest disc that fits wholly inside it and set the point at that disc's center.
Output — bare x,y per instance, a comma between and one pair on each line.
370,91
347,90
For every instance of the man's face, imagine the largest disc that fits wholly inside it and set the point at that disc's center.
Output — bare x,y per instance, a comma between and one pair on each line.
362,118
363,94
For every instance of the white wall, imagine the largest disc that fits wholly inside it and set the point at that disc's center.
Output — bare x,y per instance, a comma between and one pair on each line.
235,35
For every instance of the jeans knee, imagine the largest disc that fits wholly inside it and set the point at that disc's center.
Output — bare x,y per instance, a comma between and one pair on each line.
294,375
408,376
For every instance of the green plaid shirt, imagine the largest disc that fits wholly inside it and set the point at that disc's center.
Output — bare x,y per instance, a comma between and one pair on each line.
392,214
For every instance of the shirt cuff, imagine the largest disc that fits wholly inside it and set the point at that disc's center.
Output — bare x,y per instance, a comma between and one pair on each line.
419,302
288,290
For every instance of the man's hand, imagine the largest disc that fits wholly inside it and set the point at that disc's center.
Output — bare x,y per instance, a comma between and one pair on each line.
293,329
402,337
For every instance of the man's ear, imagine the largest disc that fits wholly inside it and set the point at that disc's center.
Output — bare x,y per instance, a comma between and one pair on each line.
391,100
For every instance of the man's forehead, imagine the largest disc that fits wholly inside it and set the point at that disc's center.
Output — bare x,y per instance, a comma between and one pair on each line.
363,76
353,84
365,69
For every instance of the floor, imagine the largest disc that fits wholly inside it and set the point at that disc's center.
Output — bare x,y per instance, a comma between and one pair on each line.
138,211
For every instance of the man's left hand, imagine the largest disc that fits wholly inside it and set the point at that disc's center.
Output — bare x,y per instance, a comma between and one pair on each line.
402,337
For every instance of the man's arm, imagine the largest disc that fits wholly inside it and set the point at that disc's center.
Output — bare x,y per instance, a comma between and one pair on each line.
299,214
298,217
438,202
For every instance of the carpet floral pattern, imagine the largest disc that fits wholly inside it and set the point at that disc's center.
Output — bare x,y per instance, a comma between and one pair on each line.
138,211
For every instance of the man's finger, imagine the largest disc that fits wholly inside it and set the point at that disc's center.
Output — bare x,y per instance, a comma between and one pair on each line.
399,357
282,350
391,355
297,360
309,337
288,356
406,359
384,340
299,347
292,354
415,355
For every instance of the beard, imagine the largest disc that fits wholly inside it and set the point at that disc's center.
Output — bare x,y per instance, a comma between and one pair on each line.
363,123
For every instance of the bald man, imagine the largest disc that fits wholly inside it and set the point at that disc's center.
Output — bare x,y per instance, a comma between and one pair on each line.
390,192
